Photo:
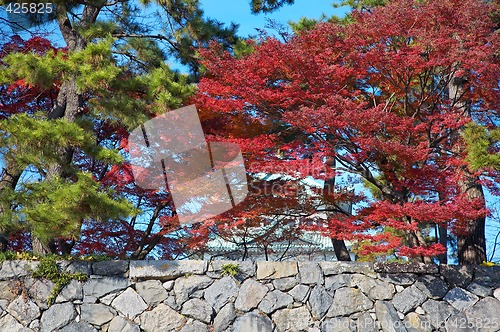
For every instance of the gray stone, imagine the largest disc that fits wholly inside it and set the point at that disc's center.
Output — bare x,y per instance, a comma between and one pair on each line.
10,324
62,265
79,267
408,299
161,318
129,303
250,295
276,270
431,286
460,299
120,324
459,323
72,291
338,324
96,314
78,327
483,314
40,291
299,293
285,284
488,276
479,290
296,319
16,269
338,281
320,302
198,294
111,268
3,305
57,316
91,299
275,300
24,310
168,285
414,322
165,270
246,269
252,321
185,286
388,317
152,291
402,279
375,289
107,299
419,310
382,291
186,303
366,323
348,301
224,318
364,283
410,267
101,286
330,268
310,273
438,312
195,326
221,292
172,303
198,309
457,275
35,325
8,290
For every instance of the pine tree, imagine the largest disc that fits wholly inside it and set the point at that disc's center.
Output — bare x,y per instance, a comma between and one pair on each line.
78,102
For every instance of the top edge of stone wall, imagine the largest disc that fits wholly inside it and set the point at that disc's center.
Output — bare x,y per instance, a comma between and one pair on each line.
168,270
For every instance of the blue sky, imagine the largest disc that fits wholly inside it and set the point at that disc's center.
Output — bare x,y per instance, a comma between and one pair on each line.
239,11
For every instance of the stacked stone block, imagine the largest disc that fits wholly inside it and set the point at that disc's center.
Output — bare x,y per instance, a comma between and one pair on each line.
263,296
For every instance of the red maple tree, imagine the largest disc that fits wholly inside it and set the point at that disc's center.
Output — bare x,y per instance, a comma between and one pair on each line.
376,97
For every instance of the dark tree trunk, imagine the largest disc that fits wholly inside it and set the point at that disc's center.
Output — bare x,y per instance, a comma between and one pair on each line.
9,178
147,242
339,246
69,101
443,239
341,250
471,246
42,247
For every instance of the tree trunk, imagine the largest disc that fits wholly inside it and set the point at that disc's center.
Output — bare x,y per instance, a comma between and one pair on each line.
69,100
147,243
471,246
8,181
341,250
42,247
339,246
443,239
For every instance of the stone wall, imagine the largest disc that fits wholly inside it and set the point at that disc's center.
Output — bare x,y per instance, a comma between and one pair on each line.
264,296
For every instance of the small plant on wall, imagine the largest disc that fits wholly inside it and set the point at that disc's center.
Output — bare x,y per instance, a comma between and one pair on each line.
230,269
49,269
